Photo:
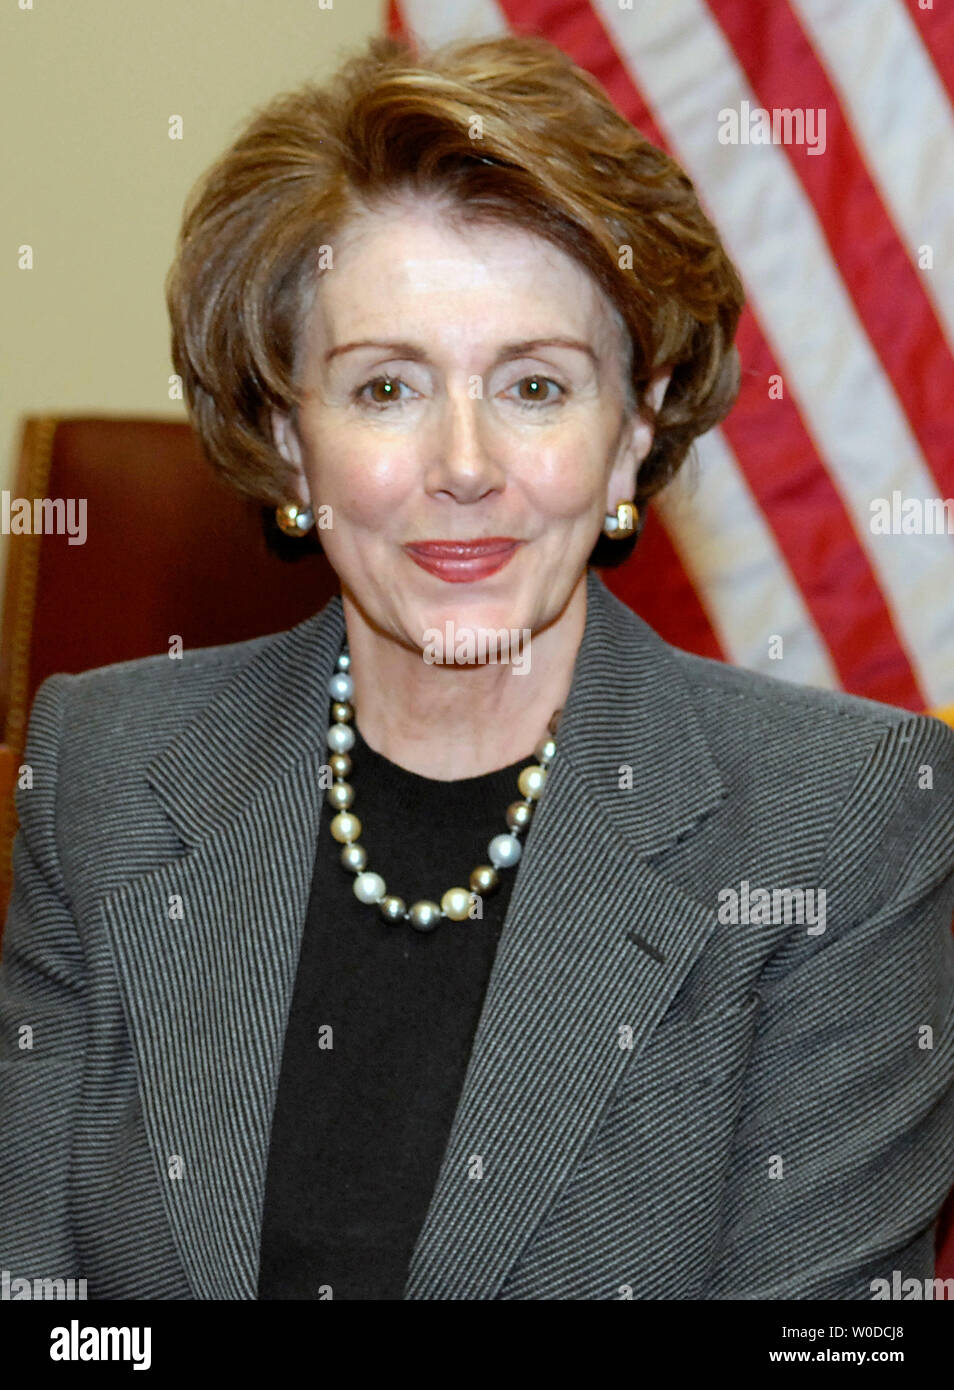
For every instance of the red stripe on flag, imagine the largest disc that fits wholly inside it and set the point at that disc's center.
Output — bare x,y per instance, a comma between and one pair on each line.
771,444
873,262
395,24
936,27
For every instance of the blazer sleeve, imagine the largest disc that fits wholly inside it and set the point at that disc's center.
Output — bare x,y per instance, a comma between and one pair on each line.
42,1021
844,1148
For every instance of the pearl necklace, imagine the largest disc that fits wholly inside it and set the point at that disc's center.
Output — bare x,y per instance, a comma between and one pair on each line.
503,851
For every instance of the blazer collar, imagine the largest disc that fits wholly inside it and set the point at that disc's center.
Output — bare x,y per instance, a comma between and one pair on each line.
628,706
594,936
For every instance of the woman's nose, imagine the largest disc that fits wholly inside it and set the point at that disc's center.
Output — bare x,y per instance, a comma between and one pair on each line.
464,459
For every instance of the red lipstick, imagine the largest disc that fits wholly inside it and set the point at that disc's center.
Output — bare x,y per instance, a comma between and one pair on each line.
460,562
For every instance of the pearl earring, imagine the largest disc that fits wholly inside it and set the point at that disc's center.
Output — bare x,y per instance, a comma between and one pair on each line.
623,524
293,519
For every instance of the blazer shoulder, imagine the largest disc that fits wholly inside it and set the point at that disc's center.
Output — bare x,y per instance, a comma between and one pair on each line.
869,785
134,706
148,681
197,664
93,734
821,745
727,683
720,690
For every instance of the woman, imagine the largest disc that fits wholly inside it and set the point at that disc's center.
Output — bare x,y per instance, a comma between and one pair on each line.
467,941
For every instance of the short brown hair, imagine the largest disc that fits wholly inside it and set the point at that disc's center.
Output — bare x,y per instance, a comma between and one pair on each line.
508,130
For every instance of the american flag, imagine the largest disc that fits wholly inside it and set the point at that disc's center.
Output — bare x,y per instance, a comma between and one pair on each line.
819,135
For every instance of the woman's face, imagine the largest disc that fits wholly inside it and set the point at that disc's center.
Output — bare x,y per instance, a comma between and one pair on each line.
460,385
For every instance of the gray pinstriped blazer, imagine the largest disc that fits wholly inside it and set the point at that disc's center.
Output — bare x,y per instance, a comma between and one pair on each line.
773,1131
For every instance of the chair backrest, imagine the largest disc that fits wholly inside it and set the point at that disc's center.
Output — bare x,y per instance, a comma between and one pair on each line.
169,550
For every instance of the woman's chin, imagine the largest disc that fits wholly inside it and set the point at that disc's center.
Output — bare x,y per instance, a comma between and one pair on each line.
466,635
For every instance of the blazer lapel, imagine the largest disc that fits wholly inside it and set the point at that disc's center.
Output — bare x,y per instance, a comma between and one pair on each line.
206,946
594,938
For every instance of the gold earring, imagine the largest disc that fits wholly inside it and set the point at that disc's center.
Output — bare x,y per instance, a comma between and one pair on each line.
624,523
294,519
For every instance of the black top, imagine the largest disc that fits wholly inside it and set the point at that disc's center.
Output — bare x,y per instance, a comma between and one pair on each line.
360,1127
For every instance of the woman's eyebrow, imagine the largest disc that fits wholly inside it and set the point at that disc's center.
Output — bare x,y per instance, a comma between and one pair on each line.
412,353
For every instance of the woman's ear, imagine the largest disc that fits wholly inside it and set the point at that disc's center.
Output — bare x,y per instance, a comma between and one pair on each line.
642,436
635,445
286,438
288,445
642,430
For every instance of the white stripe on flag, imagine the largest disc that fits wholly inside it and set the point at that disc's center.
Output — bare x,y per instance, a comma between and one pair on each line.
681,60
731,556
441,21
901,116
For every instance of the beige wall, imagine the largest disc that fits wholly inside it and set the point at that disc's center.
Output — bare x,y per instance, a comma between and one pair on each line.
93,183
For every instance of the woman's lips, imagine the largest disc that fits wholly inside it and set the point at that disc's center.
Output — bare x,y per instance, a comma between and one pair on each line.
459,562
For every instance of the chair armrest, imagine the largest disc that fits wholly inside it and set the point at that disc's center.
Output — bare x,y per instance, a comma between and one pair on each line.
9,764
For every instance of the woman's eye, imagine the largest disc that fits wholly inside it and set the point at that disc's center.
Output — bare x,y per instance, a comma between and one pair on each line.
382,391
538,390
